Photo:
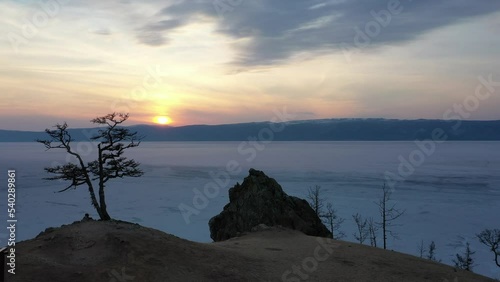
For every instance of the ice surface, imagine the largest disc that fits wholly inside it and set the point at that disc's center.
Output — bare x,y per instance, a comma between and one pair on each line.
452,195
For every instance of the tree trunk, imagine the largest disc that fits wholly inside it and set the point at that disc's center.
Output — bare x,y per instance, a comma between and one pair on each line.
384,223
102,199
93,199
104,213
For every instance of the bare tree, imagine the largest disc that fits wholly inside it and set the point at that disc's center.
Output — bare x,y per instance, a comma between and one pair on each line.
372,231
421,248
112,141
431,252
316,201
388,214
491,239
362,233
465,261
329,217
333,221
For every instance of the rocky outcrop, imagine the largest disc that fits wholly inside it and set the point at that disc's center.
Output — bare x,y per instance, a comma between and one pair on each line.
261,200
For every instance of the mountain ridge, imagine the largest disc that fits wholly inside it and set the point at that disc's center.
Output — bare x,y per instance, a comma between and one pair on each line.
362,129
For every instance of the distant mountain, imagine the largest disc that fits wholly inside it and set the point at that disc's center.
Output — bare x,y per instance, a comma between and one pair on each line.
307,130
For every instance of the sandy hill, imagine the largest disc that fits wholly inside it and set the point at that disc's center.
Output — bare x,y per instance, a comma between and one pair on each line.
119,251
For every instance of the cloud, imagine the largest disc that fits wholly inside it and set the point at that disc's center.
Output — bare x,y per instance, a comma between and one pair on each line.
278,30
152,38
101,31
153,34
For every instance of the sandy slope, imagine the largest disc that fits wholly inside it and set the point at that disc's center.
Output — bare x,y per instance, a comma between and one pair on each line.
119,252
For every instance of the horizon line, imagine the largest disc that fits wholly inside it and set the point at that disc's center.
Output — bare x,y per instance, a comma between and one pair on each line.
267,121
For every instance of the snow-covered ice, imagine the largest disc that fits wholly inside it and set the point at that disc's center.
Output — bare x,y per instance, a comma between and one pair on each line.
451,196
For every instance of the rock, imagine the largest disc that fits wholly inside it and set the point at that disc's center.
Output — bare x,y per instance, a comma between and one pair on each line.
260,227
87,217
261,200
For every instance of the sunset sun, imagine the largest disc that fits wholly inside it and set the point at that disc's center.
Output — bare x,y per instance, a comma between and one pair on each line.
163,120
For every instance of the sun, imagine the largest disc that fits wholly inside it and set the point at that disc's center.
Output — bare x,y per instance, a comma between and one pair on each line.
163,120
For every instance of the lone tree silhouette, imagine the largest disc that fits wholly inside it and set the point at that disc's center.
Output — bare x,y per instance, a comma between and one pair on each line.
112,141
491,239
388,214
465,261
362,233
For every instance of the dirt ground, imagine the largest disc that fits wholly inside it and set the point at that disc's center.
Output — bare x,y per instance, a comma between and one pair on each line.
119,252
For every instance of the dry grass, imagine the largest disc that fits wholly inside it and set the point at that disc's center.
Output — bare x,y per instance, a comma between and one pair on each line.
120,252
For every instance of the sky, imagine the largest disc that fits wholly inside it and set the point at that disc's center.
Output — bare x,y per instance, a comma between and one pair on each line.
230,61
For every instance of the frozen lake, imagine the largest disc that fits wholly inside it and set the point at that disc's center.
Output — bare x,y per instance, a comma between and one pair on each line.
452,194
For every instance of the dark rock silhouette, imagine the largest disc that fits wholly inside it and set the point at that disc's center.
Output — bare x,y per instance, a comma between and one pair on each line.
261,200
